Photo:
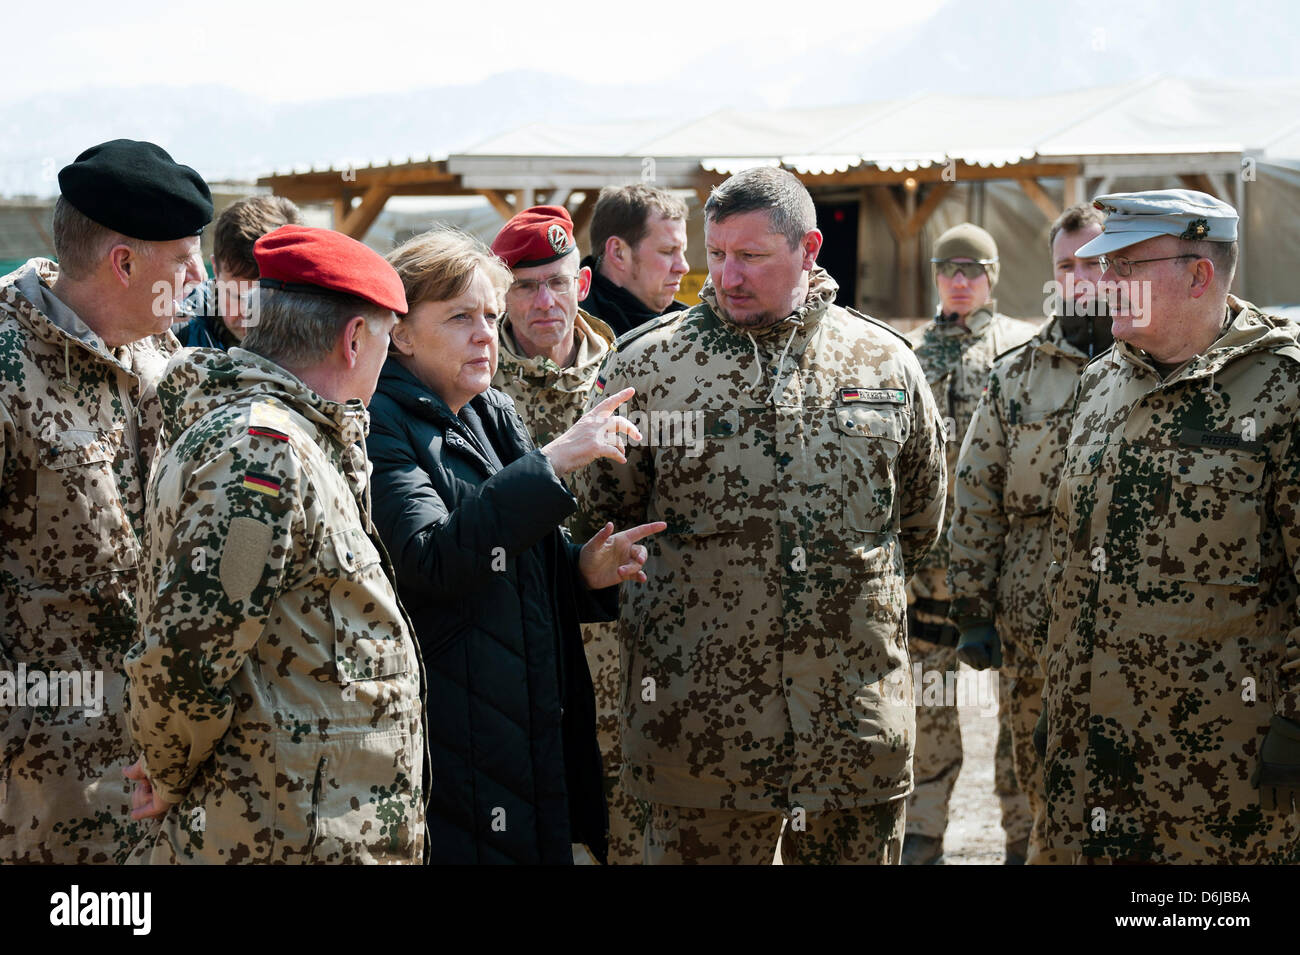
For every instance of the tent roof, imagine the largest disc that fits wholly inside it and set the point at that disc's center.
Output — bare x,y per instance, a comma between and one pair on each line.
1161,115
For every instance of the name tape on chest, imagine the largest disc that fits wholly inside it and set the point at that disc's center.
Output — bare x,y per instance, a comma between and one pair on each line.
874,396
1195,437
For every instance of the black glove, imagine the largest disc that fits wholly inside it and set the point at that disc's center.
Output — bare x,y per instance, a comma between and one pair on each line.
980,647
1040,734
1278,774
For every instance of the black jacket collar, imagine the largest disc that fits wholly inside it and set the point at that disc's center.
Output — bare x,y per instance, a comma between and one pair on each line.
616,306
471,436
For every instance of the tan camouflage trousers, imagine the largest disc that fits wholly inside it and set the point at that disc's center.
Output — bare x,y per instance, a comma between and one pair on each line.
863,835
627,815
627,824
1017,810
1026,703
937,760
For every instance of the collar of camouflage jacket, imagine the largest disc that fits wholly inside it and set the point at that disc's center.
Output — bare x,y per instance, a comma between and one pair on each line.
821,295
595,339
1051,340
1249,330
974,323
28,294
199,381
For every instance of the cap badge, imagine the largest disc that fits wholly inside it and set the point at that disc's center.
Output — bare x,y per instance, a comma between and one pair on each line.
1197,229
558,238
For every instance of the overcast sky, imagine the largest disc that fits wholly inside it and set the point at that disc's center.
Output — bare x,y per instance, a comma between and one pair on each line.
293,51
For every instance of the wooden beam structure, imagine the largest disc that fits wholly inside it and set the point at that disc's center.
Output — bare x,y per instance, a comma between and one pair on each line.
1201,182
904,198
582,214
499,202
1038,195
360,218
905,221
372,185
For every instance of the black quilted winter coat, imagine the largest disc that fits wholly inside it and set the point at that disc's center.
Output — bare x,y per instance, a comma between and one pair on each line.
470,513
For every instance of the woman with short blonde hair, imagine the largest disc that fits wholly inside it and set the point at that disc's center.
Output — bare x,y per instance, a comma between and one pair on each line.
471,513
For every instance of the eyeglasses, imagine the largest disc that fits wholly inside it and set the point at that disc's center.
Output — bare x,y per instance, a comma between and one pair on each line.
972,270
558,284
1124,267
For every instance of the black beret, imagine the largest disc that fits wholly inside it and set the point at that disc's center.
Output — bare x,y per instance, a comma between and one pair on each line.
137,189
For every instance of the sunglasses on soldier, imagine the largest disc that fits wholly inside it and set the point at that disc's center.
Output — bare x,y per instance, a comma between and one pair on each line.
948,268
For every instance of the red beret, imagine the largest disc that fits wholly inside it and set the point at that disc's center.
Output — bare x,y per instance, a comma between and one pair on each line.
535,236
298,258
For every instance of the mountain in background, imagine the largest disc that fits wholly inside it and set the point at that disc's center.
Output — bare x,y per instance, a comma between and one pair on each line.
1000,48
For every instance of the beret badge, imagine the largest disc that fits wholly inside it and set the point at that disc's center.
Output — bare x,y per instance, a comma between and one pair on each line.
558,238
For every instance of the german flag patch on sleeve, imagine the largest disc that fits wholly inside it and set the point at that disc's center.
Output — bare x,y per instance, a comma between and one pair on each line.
262,483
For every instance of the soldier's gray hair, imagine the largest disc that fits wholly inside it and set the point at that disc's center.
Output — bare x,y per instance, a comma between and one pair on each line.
298,329
765,188
80,242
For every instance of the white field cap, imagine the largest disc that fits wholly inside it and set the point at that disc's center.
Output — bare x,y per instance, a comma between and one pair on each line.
1137,216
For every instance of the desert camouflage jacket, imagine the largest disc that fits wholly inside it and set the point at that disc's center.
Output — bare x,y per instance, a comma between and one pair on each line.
1007,473
77,427
800,470
1174,633
275,688
956,361
550,398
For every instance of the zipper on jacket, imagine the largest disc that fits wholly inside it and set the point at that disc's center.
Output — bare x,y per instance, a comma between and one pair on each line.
314,835
133,424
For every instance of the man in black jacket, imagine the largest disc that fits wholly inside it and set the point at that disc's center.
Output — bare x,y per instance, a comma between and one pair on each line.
217,306
638,255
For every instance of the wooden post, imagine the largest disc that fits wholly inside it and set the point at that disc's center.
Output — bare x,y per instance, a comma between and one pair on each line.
582,216
359,220
905,224
864,201
499,202
1201,183
1040,198
1239,197
1073,190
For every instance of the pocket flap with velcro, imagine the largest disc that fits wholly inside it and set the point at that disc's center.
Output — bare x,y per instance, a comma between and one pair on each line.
866,421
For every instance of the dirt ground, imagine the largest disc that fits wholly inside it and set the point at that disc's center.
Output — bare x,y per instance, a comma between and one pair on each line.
974,819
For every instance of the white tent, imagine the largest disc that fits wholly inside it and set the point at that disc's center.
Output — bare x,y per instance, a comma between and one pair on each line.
1005,162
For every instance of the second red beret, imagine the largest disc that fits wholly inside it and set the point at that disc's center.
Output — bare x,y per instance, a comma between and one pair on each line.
535,236
300,255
